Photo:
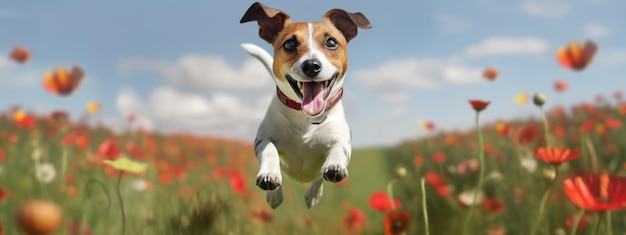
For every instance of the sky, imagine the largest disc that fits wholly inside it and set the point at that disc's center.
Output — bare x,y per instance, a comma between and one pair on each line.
179,67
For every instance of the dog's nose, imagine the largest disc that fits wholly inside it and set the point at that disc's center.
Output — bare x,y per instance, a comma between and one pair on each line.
312,67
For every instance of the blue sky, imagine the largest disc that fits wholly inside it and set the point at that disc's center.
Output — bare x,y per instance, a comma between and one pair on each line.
180,68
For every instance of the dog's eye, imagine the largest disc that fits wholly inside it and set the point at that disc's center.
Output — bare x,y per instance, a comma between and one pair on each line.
331,43
290,45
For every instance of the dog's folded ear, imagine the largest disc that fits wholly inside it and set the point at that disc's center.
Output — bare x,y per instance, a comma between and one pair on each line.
271,21
347,22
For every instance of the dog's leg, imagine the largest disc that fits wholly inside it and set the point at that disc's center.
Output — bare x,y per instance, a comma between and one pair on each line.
335,168
274,198
314,193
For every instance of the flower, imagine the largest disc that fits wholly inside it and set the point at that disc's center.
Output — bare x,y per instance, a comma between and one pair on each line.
561,86
466,198
434,179
45,173
109,149
125,164
3,194
69,178
262,216
492,205
23,120
354,220
600,191
3,154
530,164
63,81
527,134
490,74
576,56
479,105
587,126
438,157
380,201
134,150
20,54
428,126
556,155
396,222
93,107
582,223
521,98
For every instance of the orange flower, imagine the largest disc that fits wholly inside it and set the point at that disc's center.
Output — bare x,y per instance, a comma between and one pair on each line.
20,55
418,160
556,155
63,82
479,105
396,222
72,191
69,178
490,74
599,192
560,86
93,107
576,56
502,128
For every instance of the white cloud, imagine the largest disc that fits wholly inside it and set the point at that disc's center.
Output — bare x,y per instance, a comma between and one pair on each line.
550,9
452,24
595,30
496,46
394,80
204,73
615,56
221,114
11,75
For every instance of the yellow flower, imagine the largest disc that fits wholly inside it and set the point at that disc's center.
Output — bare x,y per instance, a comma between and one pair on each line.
93,107
125,164
521,98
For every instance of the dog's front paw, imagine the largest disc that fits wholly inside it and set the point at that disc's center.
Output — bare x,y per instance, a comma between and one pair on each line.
268,181
335,173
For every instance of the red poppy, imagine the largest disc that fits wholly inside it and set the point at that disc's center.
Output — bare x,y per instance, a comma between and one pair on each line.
60,115
3,154
490,74
559,132
434,179
262,216
380,201
587,126
418,160
134,150
69,178
396,222
109,149
492,205
429,126
63,82
237,183
560,86
165,178
354,220
556,155
582,223
442,190
3,194
502,128
479,105
24,120
527,134
613,123
20,55
597,192
576,56
438,157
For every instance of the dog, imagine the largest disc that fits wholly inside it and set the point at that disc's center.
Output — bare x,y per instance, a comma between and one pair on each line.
304,133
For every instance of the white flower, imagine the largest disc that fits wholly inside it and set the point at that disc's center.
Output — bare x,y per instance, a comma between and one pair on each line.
45,172
466,198
140,185
530,164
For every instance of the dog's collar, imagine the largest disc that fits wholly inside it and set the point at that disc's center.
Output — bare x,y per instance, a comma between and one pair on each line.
295,105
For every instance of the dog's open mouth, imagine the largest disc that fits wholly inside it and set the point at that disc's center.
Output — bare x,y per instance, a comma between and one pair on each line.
312,94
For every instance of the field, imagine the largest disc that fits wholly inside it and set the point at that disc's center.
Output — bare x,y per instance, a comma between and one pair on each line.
201,185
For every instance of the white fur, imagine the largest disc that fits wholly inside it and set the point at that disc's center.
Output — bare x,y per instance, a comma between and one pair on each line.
287,141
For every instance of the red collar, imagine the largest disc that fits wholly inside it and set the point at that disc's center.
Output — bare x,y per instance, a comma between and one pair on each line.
297,106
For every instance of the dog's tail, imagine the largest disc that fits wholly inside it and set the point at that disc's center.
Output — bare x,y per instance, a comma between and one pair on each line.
260,54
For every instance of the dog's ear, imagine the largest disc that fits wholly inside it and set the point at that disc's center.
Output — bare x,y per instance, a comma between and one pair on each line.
271,21
347,22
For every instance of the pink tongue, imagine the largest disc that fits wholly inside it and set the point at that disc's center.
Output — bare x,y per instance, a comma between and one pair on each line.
313,98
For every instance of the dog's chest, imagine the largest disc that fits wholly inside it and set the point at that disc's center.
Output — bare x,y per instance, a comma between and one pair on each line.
302,156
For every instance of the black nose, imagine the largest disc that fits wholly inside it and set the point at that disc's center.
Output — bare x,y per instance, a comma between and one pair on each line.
311,67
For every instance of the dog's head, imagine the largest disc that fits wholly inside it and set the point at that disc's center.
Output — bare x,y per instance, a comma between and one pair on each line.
309,58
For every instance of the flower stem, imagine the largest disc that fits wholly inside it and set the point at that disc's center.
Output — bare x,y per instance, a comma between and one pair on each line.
424,209
576,221
592,152
543,202
119,197
481,157
608,223
545,126
390,193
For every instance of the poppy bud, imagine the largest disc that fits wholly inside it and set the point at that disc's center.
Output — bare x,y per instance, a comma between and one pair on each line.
400,172
539,99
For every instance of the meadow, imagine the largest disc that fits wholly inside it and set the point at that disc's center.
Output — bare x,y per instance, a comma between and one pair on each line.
554,175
